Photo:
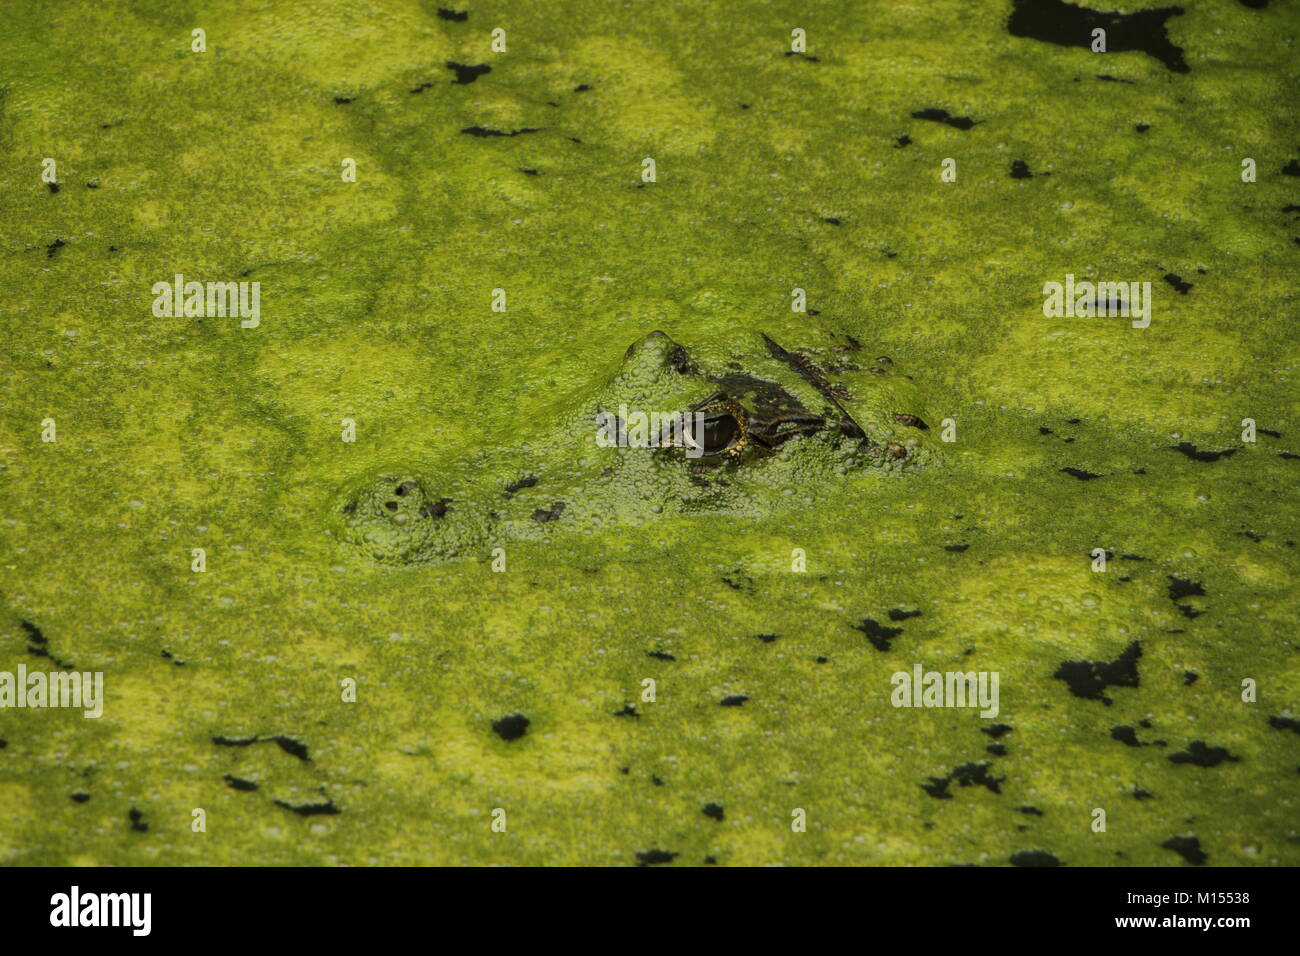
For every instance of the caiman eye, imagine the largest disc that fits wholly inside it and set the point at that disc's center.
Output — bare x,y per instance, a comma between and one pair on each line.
721,431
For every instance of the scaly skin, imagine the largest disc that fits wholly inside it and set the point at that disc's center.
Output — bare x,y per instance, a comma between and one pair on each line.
409,516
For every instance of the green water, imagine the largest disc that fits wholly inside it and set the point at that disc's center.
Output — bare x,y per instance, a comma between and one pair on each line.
376,306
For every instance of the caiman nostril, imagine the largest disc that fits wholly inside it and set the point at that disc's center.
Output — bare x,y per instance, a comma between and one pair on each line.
435,509
912,421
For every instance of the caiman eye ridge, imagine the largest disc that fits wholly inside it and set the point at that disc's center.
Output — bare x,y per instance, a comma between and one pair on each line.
730,429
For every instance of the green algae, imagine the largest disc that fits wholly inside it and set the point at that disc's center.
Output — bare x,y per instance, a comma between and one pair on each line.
175,434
